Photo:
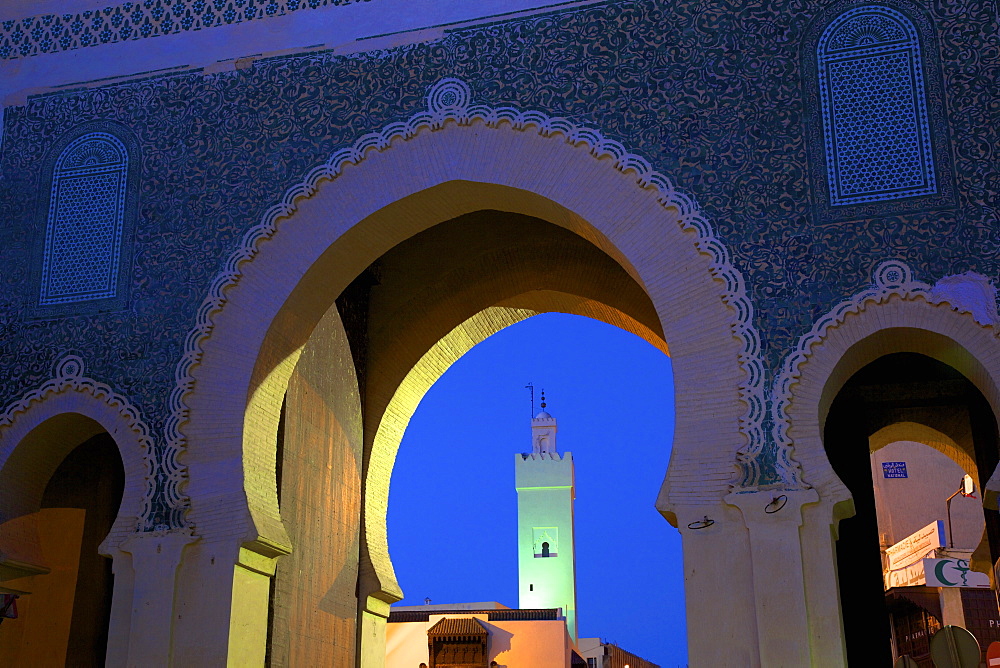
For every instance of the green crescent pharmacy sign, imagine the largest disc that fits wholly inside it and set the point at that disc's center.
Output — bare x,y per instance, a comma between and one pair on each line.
953,573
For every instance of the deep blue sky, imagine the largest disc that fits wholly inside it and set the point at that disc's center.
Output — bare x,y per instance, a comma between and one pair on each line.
452,505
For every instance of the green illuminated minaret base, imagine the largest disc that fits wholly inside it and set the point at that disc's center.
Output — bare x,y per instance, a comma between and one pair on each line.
546,555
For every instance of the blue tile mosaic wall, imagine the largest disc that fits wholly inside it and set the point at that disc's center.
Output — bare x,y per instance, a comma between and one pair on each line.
50,33
719,95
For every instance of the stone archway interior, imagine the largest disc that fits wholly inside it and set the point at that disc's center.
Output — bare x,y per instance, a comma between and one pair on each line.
64,617
894,389
394,330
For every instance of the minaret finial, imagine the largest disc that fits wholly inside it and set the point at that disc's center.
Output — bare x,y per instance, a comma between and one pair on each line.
543,399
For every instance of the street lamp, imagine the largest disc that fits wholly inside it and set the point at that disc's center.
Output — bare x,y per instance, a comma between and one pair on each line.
965,489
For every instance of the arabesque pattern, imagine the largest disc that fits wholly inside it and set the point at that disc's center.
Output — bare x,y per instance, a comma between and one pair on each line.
50,33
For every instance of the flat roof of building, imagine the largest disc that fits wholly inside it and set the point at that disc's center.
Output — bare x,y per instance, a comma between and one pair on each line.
479,605
423,614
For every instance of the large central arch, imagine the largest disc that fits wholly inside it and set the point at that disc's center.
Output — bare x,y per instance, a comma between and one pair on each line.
456,161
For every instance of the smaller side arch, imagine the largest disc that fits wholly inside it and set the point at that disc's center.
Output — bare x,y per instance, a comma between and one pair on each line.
897,314
955,326
33,441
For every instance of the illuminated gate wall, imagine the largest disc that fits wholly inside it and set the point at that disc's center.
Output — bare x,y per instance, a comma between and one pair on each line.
201,199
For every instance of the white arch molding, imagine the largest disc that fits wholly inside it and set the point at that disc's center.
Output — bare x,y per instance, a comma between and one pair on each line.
957,311
452,159
449,105
72,392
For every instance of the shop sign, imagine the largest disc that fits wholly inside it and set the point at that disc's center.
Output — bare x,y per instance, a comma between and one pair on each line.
916,546
907,576
953,573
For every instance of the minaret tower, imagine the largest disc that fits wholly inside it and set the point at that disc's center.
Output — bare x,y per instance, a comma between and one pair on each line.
546,555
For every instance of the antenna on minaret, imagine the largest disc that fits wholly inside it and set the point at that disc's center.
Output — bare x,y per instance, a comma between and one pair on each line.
531,387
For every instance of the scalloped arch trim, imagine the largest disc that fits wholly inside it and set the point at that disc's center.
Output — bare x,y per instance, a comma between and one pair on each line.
450,100
970,294
69,376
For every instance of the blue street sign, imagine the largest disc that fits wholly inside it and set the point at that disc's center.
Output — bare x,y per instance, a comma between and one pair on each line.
894,470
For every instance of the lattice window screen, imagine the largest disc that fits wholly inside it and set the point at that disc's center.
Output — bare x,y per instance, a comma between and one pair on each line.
86,211
874,108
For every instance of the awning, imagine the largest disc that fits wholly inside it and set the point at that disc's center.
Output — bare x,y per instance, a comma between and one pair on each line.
458,628
926,598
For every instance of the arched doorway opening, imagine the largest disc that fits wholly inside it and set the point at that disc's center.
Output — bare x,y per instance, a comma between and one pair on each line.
73,480
452,515
400,324
904,395
300,298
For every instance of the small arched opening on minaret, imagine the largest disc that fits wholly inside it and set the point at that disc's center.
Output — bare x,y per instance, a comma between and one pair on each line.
545,550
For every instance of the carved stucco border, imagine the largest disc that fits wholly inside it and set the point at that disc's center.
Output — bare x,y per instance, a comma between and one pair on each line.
449,100
890,278
69,375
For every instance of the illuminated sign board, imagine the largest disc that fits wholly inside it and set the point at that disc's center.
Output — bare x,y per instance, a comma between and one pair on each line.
916,546
953,573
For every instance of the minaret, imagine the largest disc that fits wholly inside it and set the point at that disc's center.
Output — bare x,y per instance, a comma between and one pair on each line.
546,556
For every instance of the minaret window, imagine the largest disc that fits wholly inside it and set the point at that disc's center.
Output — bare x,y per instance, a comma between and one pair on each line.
545,542
83,235
874,107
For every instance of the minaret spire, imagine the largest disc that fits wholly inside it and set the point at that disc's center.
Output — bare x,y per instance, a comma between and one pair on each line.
545,484
543,433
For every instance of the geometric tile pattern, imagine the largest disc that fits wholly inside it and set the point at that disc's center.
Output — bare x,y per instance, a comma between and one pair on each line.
449,100
874,108
654,75
86,213
50,33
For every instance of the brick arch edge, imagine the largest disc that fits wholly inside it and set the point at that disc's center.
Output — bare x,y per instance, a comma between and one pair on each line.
135,513
969,296
449,100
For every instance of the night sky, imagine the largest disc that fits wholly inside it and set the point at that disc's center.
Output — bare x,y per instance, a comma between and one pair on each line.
452,505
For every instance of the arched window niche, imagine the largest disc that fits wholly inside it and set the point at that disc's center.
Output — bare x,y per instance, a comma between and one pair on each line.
88,218
876,131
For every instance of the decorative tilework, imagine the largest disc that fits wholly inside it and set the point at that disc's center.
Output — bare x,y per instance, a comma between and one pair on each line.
50,33
969,293
86,215
721,95
874,108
